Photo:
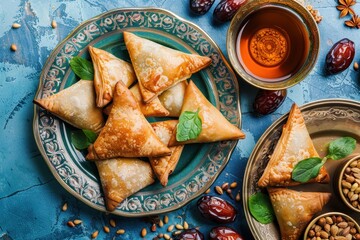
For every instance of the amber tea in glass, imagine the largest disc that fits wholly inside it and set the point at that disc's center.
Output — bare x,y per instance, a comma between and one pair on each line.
272,43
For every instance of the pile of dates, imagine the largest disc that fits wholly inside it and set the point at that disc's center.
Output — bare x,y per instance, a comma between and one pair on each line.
219,211
224,11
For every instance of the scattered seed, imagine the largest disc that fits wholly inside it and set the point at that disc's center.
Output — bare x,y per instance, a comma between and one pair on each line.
13,47
186,225
77,221
161,223
229,193
176,233
356,66
225,186
160,235
170,228
106,229
143,232
70,224
166,219
94,234
233,185
112,222
179,226
120,231
166,236
16,25
207,191
153,227
238,197
53,24
219,190
64,207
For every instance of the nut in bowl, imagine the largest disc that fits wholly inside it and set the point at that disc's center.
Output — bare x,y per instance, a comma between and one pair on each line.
332,225
348,183
273,44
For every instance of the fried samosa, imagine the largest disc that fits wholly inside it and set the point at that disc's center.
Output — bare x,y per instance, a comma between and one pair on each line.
158,67
294,209
108,70
173,98
126,133
164,166
215,127
76,106
293,146
122,177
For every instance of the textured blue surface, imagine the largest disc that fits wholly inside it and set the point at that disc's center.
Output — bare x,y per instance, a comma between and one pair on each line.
30,197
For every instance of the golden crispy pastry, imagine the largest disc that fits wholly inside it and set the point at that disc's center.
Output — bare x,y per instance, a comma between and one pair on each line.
293,146
76,106
126,133
122,177
294,209
215,127
154,108
108,70
158,67
172,99
164,166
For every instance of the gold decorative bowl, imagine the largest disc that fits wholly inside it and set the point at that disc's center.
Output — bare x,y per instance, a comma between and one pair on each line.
347,183
273,44
334,218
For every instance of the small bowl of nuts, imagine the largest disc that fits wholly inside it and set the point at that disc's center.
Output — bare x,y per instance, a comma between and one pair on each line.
333,226
348,183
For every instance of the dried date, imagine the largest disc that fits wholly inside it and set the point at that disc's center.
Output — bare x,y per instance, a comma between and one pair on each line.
226,9
216,209
267,101
340,56
224,233
201,6
190,234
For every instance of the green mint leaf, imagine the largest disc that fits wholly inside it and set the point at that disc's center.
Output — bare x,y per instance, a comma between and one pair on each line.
82,68
260,208
91,136
341,148
307,169
189,126
80,140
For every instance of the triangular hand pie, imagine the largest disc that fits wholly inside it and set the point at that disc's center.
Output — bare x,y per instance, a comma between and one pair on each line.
173,98
122,177
76,106
293,146
126,133
294,209
215,127
158,67
108,70
164,166
154,108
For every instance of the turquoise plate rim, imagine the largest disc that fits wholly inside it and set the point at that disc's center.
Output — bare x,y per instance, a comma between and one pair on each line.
47,128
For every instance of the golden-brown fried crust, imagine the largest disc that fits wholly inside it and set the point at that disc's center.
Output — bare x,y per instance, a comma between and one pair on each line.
173,98
294,209
293,146
108,70
158,67
215,127
76,106
126,133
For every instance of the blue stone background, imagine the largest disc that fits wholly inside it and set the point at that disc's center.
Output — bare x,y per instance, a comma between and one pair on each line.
31,198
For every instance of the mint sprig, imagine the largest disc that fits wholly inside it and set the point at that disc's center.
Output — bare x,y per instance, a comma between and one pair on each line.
189,126
82,139
309,168
260,208
83,68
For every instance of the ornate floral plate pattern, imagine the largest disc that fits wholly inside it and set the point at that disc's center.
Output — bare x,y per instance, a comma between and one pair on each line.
200,164
325,120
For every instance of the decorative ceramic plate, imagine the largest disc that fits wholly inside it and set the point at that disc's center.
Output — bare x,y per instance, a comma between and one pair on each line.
199,165
326,120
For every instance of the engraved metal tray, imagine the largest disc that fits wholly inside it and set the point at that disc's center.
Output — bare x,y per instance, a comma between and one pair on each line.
326,120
